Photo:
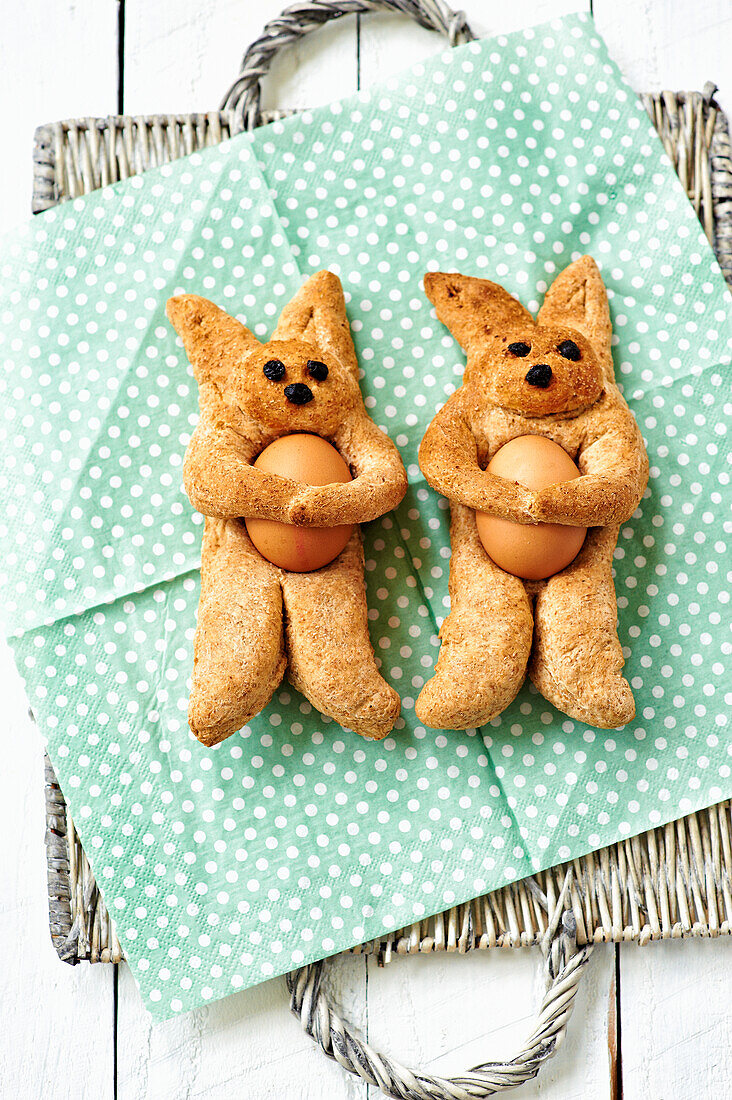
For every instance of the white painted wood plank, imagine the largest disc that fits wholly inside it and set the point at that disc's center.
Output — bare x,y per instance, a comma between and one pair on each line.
57,1020
658,43
445,1013
389,43
57,60
676,1024
182,55
248,1046
670,44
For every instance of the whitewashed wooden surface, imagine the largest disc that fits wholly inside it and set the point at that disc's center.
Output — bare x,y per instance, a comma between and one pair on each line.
80,1033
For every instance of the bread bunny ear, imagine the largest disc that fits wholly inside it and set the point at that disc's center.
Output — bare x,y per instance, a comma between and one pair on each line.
214,342
473,309
577,298
317,314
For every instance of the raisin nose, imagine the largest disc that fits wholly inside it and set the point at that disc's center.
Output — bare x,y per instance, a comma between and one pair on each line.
539,375
298,393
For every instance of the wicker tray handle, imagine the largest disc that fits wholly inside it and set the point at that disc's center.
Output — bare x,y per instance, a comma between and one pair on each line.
244,95
564,964
564,961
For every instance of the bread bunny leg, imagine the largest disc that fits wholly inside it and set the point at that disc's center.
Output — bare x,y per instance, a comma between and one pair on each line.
486,638
330,656
577,658
238,649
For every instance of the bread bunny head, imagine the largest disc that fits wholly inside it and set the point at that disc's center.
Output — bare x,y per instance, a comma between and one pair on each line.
536,368
302,380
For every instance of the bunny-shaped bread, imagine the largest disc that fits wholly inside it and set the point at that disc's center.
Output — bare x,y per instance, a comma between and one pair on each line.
550,377
244,641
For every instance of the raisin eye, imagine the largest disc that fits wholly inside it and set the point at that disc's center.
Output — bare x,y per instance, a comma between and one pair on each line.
569,350
274,370
317,370
519,349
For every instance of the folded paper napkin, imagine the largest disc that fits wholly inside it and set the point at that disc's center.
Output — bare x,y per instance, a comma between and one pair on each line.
504,158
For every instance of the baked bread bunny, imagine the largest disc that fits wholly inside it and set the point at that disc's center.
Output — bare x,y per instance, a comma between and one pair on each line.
550,377
255,619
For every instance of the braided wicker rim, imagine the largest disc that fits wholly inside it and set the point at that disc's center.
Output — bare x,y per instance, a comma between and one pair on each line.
669,882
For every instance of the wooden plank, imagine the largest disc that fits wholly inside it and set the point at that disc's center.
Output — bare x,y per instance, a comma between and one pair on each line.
57,61
674,997
57,1020
183,55
676,1026
657,44
670,44
389,43
615,1056
248,1045
444,1013
434,1013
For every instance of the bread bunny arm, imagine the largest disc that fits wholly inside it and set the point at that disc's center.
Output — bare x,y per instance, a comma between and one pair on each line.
614,469
217,472
221,482
379,479
448,458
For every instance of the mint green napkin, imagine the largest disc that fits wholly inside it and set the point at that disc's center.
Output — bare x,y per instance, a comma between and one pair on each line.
292,840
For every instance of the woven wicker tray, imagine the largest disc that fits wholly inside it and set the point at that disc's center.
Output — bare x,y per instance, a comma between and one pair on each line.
674,881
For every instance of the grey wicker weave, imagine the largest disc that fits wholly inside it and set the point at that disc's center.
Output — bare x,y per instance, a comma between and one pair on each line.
671,882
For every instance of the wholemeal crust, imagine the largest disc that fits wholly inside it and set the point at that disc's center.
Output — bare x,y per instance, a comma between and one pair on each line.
474,309
238,651
494,659
330,659
577,660
577,298
575,656
241,647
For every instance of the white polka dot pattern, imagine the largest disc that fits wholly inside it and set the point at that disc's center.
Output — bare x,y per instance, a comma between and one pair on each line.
294,839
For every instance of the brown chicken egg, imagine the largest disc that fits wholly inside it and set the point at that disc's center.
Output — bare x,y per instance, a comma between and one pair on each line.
311,460
531,551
